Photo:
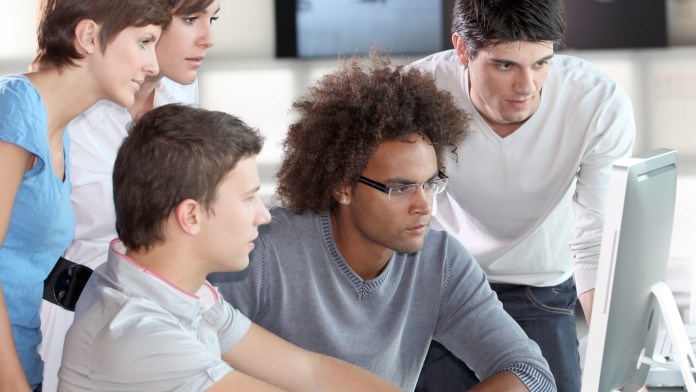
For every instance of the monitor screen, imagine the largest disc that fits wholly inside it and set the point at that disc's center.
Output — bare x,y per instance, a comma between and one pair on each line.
633,258
331,28
615,24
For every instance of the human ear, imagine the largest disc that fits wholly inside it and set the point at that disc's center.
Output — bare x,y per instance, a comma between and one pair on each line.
342,195
86,36
460,48
187,215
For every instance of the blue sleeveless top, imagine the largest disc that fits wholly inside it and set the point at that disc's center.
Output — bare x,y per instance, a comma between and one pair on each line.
42,222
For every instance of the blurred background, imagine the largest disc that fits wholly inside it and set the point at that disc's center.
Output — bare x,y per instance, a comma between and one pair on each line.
268,52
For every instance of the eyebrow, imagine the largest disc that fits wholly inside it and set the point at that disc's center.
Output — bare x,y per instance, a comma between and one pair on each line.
504,61
406,181
252,191
152,36
203,12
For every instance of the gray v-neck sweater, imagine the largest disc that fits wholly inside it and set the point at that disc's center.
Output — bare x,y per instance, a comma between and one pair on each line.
299,286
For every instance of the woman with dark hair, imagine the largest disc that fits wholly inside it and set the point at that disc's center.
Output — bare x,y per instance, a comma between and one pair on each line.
96,136
87,50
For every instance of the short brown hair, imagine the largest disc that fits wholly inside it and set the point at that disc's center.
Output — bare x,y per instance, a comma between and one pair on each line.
58,19
173,153
347,115
185,7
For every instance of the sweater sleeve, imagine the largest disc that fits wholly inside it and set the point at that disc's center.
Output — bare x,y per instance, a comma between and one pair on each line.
614,138
474,326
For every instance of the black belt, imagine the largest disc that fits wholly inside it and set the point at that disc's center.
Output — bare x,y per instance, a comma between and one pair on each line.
64,284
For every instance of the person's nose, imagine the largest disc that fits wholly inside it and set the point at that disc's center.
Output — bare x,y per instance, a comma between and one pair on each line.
524,82
262,215
421,201
151,66
207,38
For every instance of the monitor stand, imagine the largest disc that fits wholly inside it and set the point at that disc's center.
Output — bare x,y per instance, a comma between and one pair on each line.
677,333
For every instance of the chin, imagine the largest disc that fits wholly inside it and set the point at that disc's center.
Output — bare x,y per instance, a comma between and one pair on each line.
183,79
240,265
125,104
408,247
126,100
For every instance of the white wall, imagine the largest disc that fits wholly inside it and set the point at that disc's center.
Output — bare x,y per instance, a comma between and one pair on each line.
245,30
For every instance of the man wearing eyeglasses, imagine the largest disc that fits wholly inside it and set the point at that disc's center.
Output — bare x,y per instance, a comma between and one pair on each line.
349,266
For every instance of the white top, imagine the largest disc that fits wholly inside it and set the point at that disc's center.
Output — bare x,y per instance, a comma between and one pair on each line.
95,136
136,331
530,206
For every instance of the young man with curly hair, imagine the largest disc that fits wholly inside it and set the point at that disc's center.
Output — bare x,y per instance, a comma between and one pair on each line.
527,197
349,265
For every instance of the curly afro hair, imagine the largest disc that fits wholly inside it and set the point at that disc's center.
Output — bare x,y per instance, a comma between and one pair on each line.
351,111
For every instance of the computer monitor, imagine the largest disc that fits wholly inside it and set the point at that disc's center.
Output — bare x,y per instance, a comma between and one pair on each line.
330,28
630,293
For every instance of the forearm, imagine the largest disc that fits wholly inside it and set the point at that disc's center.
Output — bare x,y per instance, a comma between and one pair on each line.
503,381
12,377
238,381
335,375
586,300
269,358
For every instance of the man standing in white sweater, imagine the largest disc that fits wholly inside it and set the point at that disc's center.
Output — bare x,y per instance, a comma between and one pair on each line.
528,188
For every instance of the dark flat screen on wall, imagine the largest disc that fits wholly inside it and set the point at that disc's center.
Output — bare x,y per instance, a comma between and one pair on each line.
329,28
616,24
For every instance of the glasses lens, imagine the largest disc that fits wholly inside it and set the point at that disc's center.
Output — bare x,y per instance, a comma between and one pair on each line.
430,187
441,184
435,186
400,192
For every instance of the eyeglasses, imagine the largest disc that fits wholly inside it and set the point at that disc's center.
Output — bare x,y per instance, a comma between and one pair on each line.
396,193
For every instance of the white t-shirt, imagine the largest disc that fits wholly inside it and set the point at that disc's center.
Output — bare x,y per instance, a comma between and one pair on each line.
529,207
95,135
